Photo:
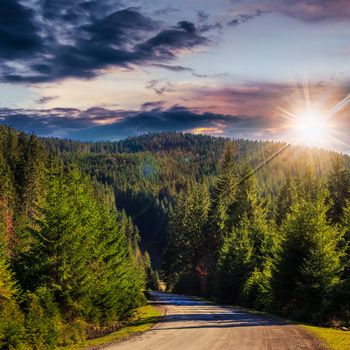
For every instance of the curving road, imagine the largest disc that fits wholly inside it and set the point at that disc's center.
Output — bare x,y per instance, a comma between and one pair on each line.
196,325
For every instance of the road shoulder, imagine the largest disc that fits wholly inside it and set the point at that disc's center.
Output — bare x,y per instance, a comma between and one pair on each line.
149,315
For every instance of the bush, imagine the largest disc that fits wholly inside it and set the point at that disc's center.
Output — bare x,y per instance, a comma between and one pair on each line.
257,291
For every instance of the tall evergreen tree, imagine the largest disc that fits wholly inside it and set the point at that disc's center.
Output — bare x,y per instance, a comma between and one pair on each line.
64,234
248,255
187,248
309,265
12,332
223,197
339,189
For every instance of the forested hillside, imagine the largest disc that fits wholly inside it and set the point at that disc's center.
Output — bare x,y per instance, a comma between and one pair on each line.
69,261
149,171
73,215
275,239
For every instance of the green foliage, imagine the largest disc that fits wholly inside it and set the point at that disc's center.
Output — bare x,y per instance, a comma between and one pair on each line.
268,243
12,332
187,242
75,258
235,263
339,189
77,220
152,277
43,321
309,266
248,255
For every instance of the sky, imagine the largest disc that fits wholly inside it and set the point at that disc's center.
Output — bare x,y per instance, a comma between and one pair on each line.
109,69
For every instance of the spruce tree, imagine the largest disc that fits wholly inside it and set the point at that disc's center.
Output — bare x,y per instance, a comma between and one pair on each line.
309,265
339,189
222,199
12,332
235,263
64,236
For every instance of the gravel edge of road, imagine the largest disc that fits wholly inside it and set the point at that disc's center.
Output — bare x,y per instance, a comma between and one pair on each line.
319,343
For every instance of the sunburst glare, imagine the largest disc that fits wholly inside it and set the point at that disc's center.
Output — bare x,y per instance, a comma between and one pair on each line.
312,124
311,128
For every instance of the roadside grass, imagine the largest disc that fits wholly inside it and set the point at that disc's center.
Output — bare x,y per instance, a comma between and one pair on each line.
145,318
334,339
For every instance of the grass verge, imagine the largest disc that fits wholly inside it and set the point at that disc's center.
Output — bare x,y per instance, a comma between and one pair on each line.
145,318
334,339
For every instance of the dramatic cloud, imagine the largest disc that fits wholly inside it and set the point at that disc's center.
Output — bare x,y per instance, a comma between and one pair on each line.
53,39
99,123
246,111
19,35
166,43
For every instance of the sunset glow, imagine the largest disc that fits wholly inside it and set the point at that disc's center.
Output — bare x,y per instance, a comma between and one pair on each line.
107,70
311,128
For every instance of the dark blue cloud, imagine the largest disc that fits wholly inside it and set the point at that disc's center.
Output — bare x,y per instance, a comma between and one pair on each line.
55,39
85,125
19,35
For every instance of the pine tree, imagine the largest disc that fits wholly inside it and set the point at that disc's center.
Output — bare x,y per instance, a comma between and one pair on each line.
64,237
187,245
12,332
339,189
223,197
248,255
286,197
119,270
309,265
346,239
235,263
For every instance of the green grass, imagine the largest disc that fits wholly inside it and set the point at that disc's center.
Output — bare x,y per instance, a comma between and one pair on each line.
146,317
334,339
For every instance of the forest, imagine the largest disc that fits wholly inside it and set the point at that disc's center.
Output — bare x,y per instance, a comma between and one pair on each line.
69,260
218,217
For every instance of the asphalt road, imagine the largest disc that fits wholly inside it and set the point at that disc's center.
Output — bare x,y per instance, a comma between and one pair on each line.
196,325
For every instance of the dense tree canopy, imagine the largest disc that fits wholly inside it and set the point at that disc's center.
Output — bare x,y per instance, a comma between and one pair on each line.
84,225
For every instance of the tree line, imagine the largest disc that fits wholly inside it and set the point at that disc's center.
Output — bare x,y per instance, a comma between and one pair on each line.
69,261
288,254
77,220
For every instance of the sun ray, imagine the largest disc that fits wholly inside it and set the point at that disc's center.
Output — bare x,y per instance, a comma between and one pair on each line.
311,125
339,106
287,115
306,93
338,141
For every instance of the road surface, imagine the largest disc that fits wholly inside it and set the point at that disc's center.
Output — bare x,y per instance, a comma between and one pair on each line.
196,325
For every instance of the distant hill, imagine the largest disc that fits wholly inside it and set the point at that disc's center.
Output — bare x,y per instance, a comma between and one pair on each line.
148,171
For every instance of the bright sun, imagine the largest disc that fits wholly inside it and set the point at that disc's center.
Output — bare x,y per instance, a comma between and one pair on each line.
313,124
311,128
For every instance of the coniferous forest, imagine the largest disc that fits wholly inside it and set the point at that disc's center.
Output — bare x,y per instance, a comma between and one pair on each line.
80,222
